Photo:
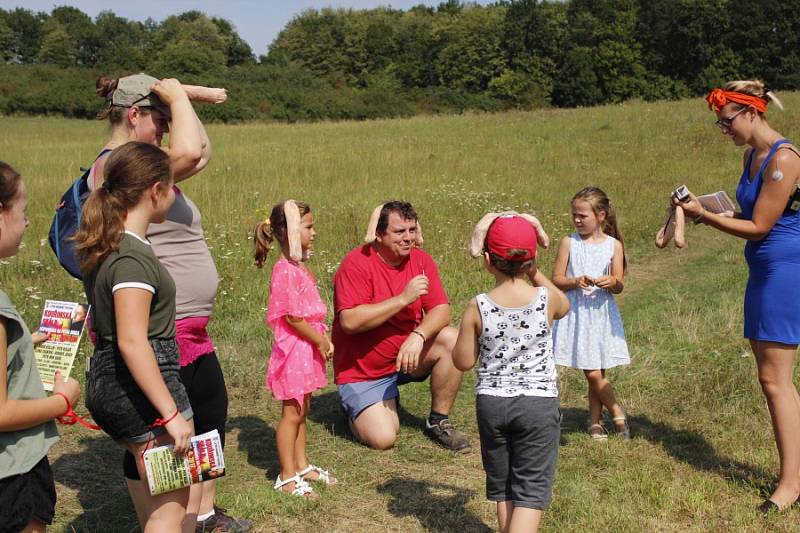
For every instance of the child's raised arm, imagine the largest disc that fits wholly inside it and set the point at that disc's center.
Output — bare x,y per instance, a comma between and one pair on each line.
465,352
22,414
313,336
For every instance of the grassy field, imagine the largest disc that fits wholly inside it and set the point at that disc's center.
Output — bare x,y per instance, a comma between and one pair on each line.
702,455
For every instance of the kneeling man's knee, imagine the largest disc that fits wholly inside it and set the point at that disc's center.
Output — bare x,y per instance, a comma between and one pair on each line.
447,337
380,438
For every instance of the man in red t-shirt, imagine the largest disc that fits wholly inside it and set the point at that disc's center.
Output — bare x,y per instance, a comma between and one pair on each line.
391,327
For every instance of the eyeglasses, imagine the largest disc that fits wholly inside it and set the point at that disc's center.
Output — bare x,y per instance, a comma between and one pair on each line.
727,122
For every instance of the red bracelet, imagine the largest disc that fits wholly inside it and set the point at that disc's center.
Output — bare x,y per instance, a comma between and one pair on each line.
70,417
159,422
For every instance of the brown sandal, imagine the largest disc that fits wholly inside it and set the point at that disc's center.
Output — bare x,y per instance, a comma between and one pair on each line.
597,432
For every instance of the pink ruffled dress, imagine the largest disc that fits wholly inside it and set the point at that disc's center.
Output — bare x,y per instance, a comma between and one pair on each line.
296,367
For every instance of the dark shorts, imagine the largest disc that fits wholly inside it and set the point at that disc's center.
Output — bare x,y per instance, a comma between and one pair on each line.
116,402
356,397
26,497
519,448
208,397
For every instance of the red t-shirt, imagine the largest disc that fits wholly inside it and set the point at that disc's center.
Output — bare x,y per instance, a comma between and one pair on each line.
363,278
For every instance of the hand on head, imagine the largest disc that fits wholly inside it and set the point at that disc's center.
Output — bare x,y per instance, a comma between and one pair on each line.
168,90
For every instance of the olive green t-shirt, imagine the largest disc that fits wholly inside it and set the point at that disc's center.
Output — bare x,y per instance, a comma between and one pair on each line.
134,265
20,450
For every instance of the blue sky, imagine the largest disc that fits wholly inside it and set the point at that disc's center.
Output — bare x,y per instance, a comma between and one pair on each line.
258,22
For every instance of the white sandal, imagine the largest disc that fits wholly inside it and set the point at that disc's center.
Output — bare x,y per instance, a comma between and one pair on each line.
301,487
324,475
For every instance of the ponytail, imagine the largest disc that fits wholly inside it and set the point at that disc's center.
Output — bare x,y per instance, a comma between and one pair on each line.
102,224
610,227
262,241
130,171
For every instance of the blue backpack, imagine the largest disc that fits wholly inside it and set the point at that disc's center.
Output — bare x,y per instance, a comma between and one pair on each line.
67,220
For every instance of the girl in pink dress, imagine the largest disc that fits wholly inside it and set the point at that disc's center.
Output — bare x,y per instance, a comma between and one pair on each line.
296,314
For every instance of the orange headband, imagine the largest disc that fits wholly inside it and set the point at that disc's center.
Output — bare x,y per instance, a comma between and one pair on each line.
718,98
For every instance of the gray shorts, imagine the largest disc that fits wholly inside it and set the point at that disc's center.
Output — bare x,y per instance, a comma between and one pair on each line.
519,448
116,402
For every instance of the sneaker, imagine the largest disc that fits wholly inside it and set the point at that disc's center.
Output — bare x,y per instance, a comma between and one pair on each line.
447,436
220,522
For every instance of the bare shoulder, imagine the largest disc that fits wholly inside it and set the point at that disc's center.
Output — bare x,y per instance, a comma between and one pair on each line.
787,156
472,307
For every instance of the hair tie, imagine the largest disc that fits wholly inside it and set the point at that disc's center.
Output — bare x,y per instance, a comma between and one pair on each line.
107,186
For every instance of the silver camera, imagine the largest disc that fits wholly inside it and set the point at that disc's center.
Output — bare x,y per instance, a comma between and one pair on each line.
681,193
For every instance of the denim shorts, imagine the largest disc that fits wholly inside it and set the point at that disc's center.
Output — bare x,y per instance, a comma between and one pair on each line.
519,448
116,402
356,397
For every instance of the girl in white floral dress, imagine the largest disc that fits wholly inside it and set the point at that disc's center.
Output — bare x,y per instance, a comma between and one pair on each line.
589,268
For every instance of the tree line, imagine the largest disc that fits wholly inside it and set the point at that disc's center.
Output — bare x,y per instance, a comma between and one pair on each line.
344,63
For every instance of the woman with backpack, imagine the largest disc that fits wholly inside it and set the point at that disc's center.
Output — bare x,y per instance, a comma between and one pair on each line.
142,108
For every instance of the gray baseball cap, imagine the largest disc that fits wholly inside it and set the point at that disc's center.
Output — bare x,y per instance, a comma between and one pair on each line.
135,90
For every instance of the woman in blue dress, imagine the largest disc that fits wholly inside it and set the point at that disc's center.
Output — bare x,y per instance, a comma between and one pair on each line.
771,225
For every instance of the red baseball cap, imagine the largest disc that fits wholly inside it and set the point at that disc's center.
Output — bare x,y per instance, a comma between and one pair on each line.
512,238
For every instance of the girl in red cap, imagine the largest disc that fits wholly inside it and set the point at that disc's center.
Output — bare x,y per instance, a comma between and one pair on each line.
770,223
589,267
508,332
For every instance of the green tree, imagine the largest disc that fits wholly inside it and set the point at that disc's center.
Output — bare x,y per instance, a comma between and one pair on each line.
687,40
82,32
122,43
534,38
6,39
416,49
57,46
174,47
576,83
238,52
27,28
473,55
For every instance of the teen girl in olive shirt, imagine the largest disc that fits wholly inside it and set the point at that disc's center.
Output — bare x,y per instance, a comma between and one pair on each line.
134,391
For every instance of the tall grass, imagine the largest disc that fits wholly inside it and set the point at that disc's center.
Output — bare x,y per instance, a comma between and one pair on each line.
702,455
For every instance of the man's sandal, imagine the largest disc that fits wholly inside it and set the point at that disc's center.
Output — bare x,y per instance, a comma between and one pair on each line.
301,488
322,475
597,432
